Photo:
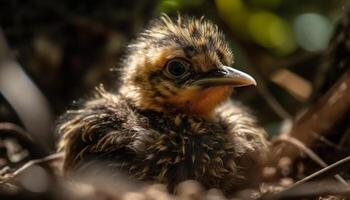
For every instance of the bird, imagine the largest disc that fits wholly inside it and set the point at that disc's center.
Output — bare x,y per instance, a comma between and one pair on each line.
172,118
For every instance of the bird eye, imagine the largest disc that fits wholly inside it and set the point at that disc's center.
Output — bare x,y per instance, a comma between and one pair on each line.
176,68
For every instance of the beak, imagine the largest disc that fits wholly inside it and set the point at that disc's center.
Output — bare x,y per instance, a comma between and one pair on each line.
225,76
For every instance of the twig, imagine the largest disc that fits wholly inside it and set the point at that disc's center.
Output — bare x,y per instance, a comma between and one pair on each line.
271,100
311,190
51,157
15,130
340,166
25,97
327,142
320,118
24,138
31,163
335,58
344,139
309,153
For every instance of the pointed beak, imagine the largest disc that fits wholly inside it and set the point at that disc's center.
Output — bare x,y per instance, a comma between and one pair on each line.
225,76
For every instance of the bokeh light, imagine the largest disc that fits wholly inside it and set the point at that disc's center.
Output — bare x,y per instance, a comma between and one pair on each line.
263,26
271,31
312,31
35,179
167,6
234,13
267,3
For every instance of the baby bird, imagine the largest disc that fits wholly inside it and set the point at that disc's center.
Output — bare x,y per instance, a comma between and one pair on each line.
171,119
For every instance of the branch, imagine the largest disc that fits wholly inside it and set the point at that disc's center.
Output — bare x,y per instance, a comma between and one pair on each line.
338,167
25,97
10,130
41,161
320,118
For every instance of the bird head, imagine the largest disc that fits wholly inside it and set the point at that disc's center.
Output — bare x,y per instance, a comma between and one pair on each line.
181,65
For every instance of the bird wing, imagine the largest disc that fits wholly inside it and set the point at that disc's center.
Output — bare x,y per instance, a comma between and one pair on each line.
95,130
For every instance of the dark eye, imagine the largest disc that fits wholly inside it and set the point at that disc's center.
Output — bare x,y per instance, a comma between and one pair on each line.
176,68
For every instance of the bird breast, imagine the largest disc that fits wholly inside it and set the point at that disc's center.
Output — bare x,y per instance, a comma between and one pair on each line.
182,147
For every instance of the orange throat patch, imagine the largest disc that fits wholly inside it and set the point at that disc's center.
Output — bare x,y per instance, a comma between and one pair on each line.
201,102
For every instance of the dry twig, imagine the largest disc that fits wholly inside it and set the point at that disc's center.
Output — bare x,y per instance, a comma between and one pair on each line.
320,118
309,153
331,170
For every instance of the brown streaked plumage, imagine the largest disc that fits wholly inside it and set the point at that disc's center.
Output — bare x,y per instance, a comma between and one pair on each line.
172,119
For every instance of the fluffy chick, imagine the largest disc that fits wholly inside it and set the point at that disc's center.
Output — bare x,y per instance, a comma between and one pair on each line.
172,119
